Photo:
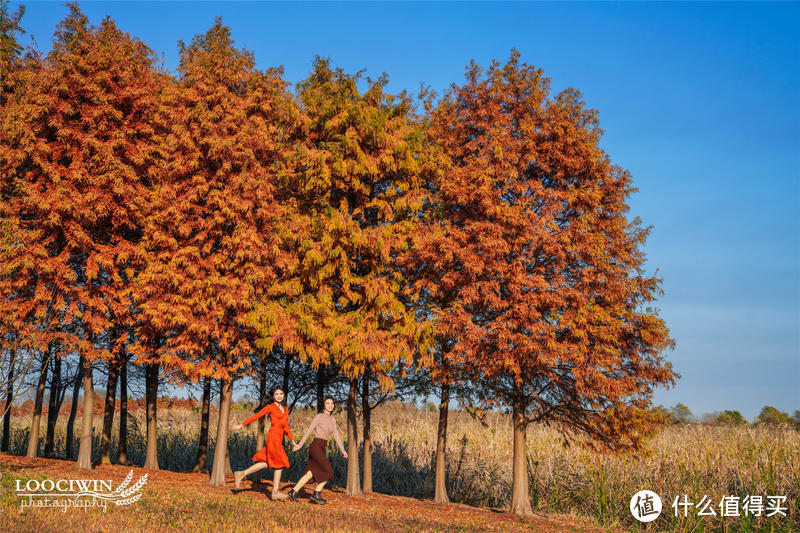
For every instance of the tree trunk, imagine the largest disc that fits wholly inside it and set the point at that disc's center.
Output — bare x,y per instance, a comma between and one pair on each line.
108,413
151,399
122,459
322,378
366,486
9,399
85,448
353,481
201,465
52,408
221,448
228,469
73,412
33,436
520,499
440,488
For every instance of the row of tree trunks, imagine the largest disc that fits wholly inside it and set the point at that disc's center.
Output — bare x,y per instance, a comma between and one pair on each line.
118,370
440,491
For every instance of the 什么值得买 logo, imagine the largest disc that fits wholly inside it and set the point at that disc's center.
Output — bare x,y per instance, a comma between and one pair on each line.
645,506
85,493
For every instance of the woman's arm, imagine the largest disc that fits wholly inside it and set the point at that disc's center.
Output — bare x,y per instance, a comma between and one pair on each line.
253,418
314,423
288,431
338,439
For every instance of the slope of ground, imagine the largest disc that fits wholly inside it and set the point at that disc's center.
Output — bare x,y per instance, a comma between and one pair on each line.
174,501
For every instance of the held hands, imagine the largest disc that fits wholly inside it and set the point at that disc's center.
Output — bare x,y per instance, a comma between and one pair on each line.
295,447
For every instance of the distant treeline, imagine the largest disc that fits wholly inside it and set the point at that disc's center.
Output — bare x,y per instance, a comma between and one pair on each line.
680,414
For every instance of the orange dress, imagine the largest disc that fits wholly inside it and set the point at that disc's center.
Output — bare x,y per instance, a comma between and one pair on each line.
273,453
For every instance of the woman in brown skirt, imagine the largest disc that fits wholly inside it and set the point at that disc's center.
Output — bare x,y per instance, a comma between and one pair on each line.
318,467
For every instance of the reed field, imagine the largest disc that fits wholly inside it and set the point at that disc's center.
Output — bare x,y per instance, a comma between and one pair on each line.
696,460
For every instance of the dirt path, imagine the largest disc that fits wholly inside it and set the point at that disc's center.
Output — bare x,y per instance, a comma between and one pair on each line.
180,501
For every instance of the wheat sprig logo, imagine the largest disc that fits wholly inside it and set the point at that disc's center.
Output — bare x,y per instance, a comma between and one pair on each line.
131,494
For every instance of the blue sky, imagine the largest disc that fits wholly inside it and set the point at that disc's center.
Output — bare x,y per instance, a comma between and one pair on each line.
698,100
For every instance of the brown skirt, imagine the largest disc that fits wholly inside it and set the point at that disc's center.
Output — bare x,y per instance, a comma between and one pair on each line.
318,464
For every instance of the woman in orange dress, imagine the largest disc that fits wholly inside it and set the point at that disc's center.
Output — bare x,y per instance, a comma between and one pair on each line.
272,455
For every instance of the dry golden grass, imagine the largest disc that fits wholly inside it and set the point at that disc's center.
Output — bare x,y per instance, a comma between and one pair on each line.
695,460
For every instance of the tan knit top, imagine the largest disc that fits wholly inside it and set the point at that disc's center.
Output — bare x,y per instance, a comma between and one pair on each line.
324,425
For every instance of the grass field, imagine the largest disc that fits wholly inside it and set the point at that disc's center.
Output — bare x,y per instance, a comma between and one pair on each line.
570,487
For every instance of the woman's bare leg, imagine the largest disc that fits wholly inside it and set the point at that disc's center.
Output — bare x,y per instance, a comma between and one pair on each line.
320,486
276,482
255,467
303,480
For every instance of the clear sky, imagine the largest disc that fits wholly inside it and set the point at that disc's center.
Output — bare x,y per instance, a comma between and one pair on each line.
699,101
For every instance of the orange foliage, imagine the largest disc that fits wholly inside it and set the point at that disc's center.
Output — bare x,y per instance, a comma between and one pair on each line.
536,271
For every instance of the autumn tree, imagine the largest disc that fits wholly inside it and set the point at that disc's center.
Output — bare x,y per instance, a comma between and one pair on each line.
213,234
538,265
352,180
72,152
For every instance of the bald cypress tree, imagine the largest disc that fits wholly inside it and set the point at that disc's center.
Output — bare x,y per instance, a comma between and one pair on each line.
352,179
73,152
536,272
213,227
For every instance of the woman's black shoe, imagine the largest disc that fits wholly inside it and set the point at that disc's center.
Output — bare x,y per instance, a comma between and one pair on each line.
292,495
317,498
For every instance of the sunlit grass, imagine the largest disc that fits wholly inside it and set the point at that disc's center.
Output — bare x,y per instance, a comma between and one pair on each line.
695,460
